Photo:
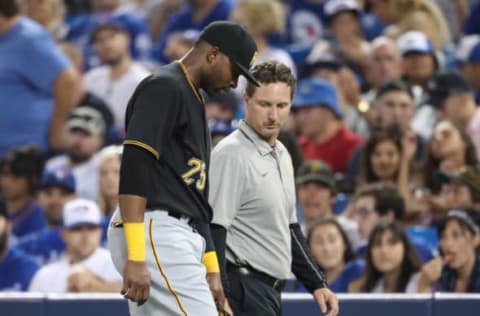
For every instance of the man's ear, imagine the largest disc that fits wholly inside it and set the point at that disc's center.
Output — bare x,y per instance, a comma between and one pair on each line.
212,54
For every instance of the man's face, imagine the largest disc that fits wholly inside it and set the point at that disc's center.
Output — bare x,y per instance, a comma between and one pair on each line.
223,75
315,200
366,215
81,145
82,241
418,67
385,65
471,72
111,46
456,108
13,187
268,108
52,199
396,108
312,119
104,5
457,196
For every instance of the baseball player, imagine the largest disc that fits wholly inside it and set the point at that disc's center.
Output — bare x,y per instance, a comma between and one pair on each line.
163,179
257,237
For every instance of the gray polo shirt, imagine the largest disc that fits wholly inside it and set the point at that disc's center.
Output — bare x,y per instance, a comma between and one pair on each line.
252,193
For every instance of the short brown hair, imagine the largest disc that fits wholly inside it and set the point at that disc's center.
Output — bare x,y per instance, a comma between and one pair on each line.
272,72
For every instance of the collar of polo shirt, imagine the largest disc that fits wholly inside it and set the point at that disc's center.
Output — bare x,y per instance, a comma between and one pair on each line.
263,147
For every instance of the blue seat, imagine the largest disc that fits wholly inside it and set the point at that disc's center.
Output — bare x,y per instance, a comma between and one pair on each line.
426,234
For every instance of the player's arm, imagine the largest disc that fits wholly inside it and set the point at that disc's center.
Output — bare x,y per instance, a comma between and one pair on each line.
309,273
151,118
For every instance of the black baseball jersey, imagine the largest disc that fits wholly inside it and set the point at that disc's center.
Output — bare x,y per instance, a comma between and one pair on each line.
166,117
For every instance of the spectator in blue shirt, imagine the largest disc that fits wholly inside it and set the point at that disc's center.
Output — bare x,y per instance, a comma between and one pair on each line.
38,85
331,249
20,176
47,245
108,11
197,15
16,268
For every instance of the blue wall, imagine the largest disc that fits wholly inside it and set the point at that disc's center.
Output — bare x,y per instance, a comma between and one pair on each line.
293,305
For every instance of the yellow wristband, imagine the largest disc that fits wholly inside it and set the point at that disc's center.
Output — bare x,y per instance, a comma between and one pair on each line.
211,262
135,238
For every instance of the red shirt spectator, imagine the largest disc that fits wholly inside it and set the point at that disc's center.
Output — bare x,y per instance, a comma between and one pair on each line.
336,151
320,120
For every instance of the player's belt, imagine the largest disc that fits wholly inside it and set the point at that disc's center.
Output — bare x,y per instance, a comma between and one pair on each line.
117,224
274,283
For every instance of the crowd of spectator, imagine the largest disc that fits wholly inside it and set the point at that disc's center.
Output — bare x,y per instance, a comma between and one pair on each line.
384,132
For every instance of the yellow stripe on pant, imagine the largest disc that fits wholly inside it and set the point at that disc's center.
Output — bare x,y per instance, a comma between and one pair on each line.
159,266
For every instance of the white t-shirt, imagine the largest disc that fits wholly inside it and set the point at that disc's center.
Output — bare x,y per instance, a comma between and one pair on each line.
86,175
115,93
53,277
411,287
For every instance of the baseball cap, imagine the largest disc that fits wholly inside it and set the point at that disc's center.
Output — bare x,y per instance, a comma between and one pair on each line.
468,50
81,212
87,119
444,85
235,42
220,128
334,7
316,92
61,177
415,42
110,24
316,171
467,175
322,55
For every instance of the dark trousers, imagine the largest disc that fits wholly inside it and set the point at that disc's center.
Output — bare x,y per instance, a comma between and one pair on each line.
250,296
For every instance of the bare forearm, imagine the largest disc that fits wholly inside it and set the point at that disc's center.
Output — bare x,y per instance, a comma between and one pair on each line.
67,93
132,207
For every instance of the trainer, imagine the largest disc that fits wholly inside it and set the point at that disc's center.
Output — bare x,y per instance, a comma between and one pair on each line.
253,199
163,200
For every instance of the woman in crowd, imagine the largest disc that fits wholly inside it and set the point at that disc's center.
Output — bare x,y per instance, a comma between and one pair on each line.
392,264
388,158
450,149
109,177
332,251
458,269
410,15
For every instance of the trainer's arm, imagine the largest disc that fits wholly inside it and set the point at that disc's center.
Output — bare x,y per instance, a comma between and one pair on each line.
303,266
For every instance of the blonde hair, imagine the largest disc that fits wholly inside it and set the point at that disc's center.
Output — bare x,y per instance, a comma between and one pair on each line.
261,17
106,154
406,9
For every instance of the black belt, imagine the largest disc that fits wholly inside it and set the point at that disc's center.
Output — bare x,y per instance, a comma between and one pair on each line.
274,283
170,213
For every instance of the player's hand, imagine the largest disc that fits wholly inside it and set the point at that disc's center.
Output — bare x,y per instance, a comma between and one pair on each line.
327,301
215,283
136,282
227,310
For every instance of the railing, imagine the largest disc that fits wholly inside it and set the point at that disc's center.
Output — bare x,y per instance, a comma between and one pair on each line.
438,304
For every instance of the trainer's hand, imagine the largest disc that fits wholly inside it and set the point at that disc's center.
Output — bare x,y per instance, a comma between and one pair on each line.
327,301
136,282
215,283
